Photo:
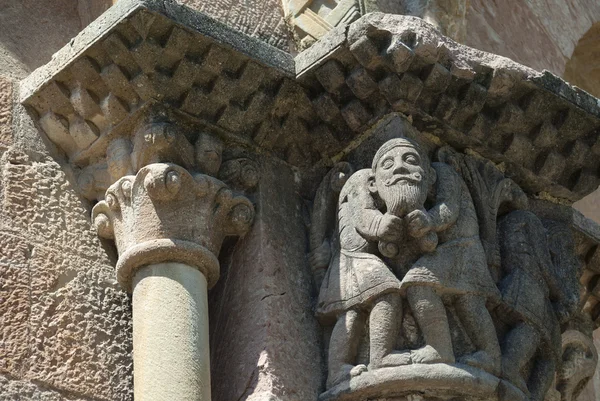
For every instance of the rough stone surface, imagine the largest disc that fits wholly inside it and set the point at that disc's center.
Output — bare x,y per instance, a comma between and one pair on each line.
262,19
11,389
501,109
263,333
6,111
65,325
69,320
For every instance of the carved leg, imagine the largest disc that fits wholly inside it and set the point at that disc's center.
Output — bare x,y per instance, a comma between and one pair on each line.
344,346
541,378
478,323
430,314
521,343
384,323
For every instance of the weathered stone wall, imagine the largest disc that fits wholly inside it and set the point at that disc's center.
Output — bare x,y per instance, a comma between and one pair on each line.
65,326
541,34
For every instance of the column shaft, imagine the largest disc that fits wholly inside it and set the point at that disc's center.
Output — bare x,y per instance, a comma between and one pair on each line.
170,334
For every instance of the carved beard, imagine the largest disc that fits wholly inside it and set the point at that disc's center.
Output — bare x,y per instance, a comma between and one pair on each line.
402,197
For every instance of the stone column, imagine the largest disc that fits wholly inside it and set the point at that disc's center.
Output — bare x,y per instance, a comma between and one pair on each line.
170,333
168,225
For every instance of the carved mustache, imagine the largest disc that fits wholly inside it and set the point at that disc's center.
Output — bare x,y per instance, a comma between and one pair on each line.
413,179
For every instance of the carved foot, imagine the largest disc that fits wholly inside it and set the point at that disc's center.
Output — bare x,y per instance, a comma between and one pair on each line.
346,373
395,358
484,361
428,354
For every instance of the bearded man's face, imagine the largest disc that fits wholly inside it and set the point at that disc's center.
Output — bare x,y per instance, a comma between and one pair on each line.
400,180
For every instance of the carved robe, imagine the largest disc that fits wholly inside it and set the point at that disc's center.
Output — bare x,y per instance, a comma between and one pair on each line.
356,275
459,264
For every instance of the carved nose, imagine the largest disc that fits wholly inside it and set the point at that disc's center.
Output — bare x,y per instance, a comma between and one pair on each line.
400,168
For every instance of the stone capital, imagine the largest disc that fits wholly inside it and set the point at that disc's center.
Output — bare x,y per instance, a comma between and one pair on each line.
164,213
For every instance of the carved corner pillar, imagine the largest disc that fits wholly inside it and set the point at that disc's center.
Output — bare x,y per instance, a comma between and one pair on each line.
168,225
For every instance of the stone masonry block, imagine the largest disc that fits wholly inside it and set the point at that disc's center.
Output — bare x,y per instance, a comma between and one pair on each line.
83,132
185,72
117,48
80,325
114,109
146,54
115,79
13,389
6,110
326,108
366,52
521,150
446,107
577,153
400,55
14,304
57,129
86,69
587,182
410,87
86,104
391,88
41,203
551,166
545,135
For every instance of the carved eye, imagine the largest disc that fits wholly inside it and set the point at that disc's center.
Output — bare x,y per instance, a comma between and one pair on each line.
387,163
412,159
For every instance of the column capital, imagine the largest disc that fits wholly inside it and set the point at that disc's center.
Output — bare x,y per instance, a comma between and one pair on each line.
165,213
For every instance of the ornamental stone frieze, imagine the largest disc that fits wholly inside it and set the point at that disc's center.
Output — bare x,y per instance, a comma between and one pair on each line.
389,211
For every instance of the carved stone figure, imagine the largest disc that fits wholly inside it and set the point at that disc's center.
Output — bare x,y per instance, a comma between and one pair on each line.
493,195
534,301
323,227
456,269
357,277
579,360
381,213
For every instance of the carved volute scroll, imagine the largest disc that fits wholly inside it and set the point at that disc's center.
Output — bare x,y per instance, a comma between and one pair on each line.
440,283
166,203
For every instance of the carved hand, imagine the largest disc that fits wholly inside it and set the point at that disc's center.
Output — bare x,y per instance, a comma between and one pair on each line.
419,223
390,228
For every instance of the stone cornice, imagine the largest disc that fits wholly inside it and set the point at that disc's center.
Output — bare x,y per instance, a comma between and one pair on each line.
155,54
